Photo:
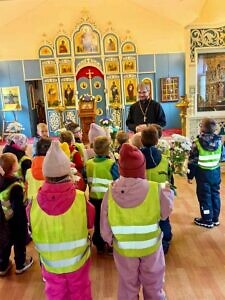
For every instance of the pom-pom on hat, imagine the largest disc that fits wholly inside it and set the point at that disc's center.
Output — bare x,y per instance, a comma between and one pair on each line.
101,145
131,162
56,163
94,131
19,140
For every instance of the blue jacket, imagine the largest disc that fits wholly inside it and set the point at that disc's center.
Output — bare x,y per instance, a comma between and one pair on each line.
209,142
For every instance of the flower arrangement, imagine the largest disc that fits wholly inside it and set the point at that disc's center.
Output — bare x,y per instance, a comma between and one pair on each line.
108,124
164,147
14,127
179,150
86,97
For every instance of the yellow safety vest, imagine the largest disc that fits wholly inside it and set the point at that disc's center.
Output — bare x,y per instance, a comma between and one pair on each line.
136,229
99,177
160,172
33,185
62,240
208,160
5,202
81,149
19,171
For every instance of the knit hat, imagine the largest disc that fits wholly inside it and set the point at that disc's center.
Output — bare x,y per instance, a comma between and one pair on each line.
56,163
19,140
101,145
131,162
94,131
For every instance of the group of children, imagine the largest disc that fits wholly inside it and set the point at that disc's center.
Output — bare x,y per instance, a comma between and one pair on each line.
129,206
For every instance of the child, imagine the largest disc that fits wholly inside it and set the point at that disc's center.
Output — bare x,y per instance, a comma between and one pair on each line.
204,166
17,144
15,220
75,157
100,171
60,218
34,176
77,132
131,210
157,169
121,138
135,140
94,131
42,132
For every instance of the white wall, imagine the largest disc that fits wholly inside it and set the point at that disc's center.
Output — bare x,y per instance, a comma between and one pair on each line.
22,33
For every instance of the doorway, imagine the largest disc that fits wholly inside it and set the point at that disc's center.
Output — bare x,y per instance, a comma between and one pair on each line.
36,104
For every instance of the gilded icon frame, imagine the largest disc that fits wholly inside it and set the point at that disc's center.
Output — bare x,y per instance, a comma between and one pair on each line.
51,89
65,67
169,89
68,92
11,100
49,68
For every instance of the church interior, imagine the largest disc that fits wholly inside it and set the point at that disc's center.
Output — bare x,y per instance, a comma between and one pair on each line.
81,61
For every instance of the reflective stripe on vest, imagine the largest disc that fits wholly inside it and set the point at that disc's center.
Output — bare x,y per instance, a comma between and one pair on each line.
63,245
208,159
136,229
99,176
5,202
160,172
63,263
139,245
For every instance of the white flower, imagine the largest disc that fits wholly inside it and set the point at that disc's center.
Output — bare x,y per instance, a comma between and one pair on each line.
14,127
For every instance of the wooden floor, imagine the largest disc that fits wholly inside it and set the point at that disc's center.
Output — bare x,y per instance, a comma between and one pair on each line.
195,262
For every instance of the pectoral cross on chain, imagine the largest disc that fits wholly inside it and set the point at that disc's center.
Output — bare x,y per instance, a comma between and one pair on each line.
145,119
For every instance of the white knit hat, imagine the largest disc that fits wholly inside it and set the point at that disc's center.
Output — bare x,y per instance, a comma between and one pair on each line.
94,131
56,163
19,139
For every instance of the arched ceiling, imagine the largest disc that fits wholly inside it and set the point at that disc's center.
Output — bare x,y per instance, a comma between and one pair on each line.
182,12
157,26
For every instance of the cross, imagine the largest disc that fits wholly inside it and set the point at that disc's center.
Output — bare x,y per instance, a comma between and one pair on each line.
89,73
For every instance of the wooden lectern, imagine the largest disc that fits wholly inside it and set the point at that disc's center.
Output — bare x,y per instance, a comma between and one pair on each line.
87,113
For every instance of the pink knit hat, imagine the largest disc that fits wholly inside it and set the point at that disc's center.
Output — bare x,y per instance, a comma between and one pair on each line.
94,131
131,162
56,163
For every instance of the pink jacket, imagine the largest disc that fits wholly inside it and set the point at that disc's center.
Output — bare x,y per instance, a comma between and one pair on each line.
50,198
130,192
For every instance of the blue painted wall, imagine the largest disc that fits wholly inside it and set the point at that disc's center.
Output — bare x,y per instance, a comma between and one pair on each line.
11,74
170,65
154,66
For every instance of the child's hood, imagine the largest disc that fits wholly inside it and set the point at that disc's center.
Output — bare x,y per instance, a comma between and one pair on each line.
130,192
152,155
56,198
210,142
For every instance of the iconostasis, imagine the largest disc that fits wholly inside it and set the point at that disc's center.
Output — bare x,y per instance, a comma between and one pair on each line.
88,62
